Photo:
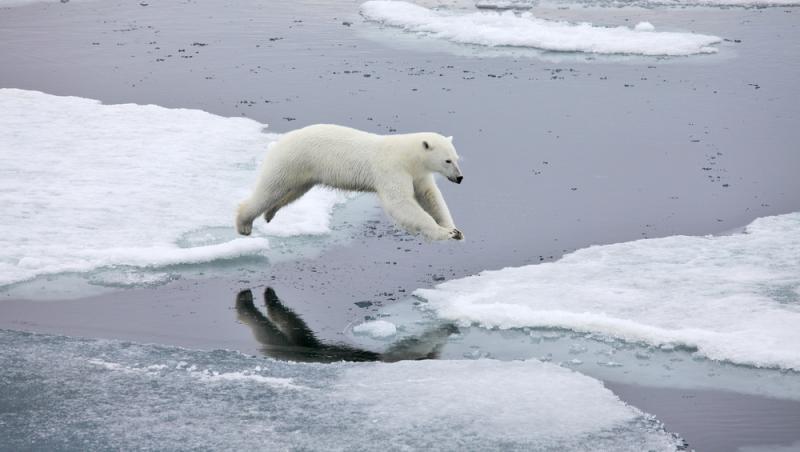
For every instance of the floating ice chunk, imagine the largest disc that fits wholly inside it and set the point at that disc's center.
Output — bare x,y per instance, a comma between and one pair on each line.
125,395
126,277
435,395
244,376
85,185
159,256
525,30
731,297
205,375
376,328
644,26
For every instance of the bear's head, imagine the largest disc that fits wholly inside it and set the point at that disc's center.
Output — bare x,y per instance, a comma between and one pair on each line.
440,156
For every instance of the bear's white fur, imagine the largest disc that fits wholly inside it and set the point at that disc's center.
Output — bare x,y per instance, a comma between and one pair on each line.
399,168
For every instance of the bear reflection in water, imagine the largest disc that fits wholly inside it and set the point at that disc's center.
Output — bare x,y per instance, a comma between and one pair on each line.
284,335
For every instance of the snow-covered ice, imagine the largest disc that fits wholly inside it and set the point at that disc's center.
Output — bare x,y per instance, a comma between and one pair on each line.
77,394
85,185
733,298
376,328
489,28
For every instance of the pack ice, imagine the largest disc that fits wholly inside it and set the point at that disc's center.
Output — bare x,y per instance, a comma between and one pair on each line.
85,185
732,298
489,28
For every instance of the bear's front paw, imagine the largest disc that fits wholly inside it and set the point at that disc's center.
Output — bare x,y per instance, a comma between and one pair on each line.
455,234
243,227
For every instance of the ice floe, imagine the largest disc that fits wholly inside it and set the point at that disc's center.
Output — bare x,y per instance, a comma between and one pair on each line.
77,394
733,298
85,185
489,28
376,328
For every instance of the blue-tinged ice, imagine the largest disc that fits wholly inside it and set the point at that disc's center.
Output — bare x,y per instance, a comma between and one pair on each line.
78,394
733,298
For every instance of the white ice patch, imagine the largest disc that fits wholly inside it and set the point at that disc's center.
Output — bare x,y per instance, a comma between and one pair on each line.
732,297
644,26
499,401
85,185
376,329
204,375
296,218
124,395
524,30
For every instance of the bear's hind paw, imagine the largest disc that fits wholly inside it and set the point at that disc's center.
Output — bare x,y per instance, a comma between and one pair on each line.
455,234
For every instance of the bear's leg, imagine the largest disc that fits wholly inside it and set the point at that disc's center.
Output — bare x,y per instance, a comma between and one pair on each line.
290,197
264,198
430,198
404,209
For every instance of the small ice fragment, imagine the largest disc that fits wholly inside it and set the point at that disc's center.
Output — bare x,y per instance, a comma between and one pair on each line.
376,328
576,349
472,354
609,363
644,26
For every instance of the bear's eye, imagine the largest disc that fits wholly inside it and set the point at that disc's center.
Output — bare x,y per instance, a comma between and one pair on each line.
448,161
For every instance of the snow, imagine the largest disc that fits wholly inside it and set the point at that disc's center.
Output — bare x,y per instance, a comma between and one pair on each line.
376,329
732,298
489,28
85,185
644,26
77,394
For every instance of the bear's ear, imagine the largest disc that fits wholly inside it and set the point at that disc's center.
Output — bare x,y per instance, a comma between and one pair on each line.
426,145
450,138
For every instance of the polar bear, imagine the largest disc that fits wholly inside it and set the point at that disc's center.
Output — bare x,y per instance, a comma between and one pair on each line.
399,168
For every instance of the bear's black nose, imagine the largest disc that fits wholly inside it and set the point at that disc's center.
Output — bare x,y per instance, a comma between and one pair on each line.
459,179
